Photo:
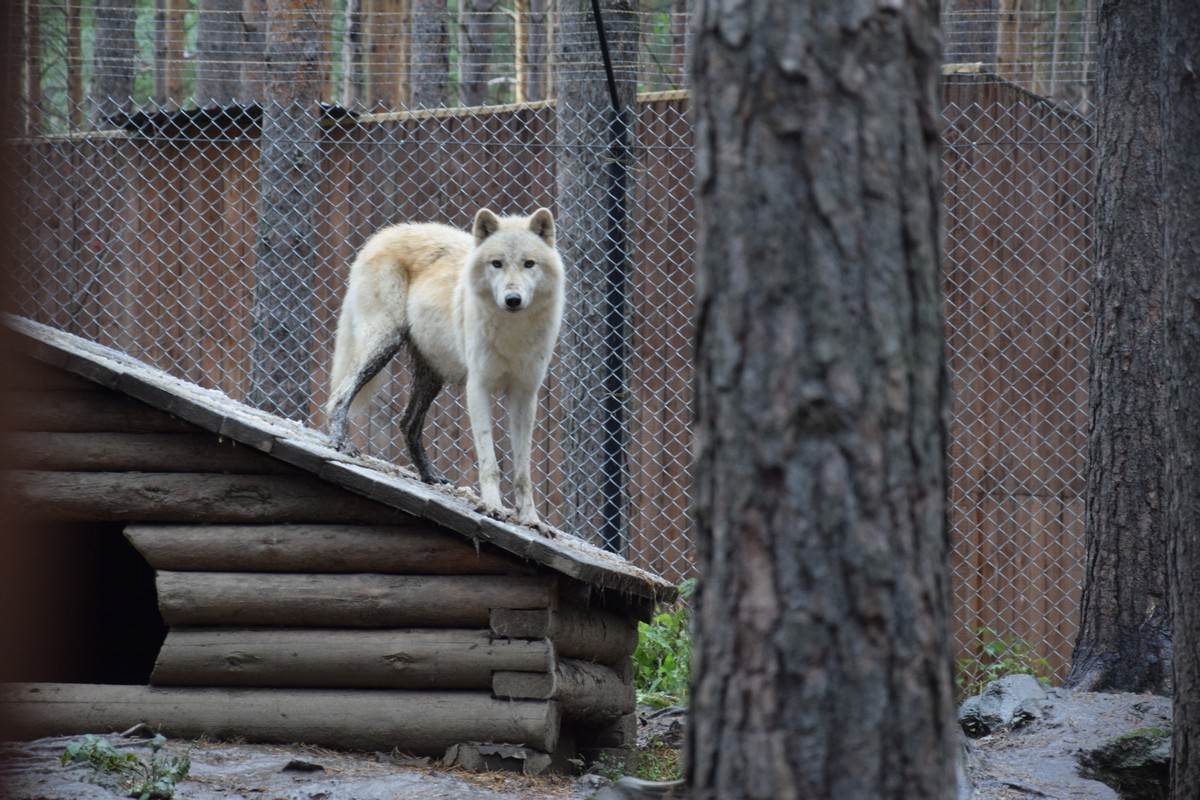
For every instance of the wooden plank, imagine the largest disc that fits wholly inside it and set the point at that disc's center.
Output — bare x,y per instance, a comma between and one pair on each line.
586,692
190,497
141,452
344,601
315,548
26,410
416,722
339,658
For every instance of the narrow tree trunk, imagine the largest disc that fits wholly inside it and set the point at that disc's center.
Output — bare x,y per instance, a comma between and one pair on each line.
1124,639
476,24
254,80
115,50
822,622
1181,202
387,54
593,141
537,50
74,60
352,55
33,67
220,50
429,73
289,173
168,52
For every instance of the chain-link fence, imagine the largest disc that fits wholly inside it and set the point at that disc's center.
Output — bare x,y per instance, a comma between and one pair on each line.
145,223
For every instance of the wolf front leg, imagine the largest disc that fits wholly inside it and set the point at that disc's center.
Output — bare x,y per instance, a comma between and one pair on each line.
479,409
522,410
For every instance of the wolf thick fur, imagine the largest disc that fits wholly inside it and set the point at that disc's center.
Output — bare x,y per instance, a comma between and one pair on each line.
482,309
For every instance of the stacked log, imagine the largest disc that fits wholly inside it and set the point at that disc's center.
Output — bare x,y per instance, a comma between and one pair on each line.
300,611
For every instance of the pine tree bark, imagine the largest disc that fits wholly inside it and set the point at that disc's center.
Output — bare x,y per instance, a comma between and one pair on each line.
476,24
114,53
591,210
821,661
1181,203
429,73
1124,642
289,164
220,51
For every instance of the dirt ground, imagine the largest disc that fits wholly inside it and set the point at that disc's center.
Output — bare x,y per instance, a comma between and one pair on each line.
226,771
1037,760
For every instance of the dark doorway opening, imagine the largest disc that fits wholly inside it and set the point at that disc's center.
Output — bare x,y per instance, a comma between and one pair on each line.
84,609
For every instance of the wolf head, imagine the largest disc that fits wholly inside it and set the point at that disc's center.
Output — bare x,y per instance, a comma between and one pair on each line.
514,264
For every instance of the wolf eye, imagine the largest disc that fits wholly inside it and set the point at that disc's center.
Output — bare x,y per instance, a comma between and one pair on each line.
529,264
497,263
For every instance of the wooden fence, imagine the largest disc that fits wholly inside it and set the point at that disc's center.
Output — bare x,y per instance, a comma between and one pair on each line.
147,245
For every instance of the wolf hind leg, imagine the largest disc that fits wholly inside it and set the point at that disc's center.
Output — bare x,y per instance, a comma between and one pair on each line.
426,385
376,356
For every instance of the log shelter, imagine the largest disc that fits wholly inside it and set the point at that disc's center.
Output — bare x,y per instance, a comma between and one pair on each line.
229,574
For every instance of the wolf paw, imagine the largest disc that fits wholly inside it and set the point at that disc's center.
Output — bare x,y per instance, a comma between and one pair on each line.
495,512
542,528
345,446
433,479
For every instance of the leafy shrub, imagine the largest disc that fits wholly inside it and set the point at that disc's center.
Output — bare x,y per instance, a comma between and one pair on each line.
663,661
152,779
992,656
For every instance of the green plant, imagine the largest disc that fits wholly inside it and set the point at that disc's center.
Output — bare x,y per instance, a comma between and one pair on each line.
663,660
149,779
659,762
991,656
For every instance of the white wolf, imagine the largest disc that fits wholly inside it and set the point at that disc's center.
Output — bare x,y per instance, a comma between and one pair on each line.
484,309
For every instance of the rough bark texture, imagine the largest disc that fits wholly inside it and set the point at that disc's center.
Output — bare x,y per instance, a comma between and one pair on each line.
429,74
112,76
593,347
477,20
1124,639
821,637
289,165
1181,154
220,50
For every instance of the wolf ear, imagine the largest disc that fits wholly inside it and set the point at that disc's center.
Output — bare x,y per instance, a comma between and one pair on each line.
542,224
486,223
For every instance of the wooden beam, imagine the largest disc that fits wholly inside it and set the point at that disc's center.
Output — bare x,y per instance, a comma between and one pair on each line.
315,548
344,601
421,723
339,658
190,497
586,692
142,452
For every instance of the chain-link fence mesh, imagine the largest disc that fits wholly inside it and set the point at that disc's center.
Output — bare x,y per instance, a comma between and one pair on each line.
152,222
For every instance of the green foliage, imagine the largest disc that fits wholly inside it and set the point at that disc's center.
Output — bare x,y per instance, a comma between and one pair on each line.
663,661
993,656
659,762
150,779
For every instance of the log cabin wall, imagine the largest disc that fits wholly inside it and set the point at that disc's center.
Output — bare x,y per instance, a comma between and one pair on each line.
294,610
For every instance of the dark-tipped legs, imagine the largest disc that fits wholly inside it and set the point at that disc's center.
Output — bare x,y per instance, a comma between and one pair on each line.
425,387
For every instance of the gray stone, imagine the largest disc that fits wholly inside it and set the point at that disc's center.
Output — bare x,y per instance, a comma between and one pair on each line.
1003,704
1137,765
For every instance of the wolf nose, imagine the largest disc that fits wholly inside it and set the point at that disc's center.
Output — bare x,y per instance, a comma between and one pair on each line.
512,300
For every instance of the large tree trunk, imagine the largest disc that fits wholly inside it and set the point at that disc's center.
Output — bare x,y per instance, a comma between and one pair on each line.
429,73
593,141
822,622
1181,202
220,50
289,165
1124,640
115,50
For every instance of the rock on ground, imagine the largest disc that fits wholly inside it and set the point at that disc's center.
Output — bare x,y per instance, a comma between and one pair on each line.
1039,759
